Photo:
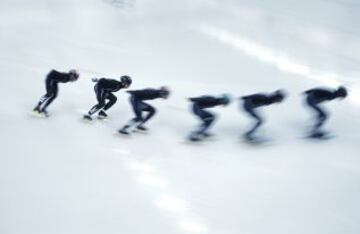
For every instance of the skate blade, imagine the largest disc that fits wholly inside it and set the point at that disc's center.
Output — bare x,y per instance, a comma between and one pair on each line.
38,115
195,139
140,131
320,138
187,141
84,120
257,142
122,135
102,118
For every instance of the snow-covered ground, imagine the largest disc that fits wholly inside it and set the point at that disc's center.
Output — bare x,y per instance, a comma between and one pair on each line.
61,175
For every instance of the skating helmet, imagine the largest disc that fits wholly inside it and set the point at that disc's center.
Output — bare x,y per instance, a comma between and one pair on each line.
165,92
279,95
74,75
226,99
341,92
126,80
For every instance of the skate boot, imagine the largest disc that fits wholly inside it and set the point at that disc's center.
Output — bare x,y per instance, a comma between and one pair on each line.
195,136
102,115
249,137
37,109
124,131
142,128
317,135
207,134
38,113
87,117
45,113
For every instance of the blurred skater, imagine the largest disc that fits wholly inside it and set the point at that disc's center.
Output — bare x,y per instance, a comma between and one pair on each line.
51,84
254,101
199,108
104,89
316,96
137,98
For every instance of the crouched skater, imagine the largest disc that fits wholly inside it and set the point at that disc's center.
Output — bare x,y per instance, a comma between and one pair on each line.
200,106
104,89
139,106
252,102
51,83
314,98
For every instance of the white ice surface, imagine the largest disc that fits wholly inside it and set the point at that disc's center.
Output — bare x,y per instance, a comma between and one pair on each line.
63,176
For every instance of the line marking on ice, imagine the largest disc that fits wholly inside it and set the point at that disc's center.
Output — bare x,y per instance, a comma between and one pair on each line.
282,61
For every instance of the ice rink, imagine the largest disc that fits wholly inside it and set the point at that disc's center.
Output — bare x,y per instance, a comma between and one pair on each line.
62,175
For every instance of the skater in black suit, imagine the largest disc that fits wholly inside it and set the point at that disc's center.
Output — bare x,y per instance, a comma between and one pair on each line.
51,84
137,99
254,101
104,89
317,96
200,106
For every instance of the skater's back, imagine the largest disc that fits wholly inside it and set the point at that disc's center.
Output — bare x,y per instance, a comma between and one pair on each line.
149,93
319,95
61,77
261,99
110,85
208,101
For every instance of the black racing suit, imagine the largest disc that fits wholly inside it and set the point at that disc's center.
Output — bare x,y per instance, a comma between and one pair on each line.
314,97
137,98
104,89
199,105
51,84
250,103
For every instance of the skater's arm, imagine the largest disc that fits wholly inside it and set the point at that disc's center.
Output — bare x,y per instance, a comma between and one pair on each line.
62,77
202,99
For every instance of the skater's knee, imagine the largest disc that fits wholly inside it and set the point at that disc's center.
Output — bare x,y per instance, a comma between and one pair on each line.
322,116
247,106
134,102
51,96
208,120
101,103
152,110
112,98
137,119
196,109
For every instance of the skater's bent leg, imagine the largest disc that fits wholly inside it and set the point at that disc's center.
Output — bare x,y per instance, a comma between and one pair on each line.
136,104
250,110
321,118
197,110
49,97
151,112
321,115
258,123
137,111
41,101
95,108
112,100
100,96
48,102
207,119
207,124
